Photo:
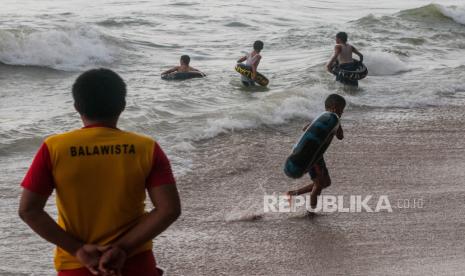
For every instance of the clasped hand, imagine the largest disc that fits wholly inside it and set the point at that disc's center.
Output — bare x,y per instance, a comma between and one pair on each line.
102,260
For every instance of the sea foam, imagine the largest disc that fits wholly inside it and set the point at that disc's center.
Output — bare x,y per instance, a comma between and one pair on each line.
384,64
270,112
456,13
67,49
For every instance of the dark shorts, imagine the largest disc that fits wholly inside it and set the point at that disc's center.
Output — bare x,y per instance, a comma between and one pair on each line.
318,169
248,83
347,66
142,264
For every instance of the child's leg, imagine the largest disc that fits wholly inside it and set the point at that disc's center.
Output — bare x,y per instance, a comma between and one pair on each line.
321,180
315,193
303,190
320,177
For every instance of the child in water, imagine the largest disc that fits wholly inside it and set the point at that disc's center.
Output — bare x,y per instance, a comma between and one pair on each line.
252,59
318,171
184,66
343,58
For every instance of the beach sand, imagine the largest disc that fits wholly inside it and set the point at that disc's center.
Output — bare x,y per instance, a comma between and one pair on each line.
407,155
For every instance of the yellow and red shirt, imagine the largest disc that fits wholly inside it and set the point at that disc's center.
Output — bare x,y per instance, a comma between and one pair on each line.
100,175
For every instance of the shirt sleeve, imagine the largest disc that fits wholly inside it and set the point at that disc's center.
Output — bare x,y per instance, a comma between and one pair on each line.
39,177
161,173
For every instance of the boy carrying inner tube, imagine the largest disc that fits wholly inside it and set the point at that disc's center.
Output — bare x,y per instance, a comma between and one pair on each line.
318,172
343,58
252,60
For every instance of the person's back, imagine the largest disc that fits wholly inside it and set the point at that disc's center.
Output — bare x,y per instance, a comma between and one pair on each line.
342,58
183,67
345,55
100,174
252,58
106,169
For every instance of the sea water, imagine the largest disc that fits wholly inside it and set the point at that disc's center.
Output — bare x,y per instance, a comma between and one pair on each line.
413,51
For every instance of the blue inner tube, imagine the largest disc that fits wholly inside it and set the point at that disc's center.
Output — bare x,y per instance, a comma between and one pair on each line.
182,75
311,146
352,71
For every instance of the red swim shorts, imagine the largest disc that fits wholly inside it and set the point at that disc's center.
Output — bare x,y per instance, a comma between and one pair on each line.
142,264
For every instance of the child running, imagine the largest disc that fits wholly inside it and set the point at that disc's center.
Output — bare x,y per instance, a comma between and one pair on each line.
252,59
183,67
343,58
100,175
318,172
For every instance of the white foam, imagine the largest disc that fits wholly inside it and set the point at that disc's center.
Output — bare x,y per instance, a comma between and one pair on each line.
290,108
269,111
384,64
244,215
456,13
249,209
68,49
223,125
183,146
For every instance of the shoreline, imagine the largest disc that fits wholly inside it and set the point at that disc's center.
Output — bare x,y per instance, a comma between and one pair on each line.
385,152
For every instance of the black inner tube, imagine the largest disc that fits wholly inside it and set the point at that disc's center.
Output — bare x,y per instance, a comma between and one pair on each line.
359,72
183,75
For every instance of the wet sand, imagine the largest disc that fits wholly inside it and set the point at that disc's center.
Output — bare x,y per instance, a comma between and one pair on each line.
406,155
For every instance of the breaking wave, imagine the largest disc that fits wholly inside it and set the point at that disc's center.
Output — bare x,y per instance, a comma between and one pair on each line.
68,49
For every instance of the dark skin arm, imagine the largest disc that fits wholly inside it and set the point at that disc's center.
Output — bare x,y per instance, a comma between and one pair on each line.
355,51
340,133
31,211
174,69
337,51
196,70
167,209
242,59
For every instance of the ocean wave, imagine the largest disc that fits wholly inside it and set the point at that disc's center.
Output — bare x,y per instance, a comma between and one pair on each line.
372,21
303,104
432,13
384,64
454,12
68,49
435,12
16,145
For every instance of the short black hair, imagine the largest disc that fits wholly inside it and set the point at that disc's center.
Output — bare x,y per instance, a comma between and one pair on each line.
335,100
258,45
99,94
185,59
342,36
